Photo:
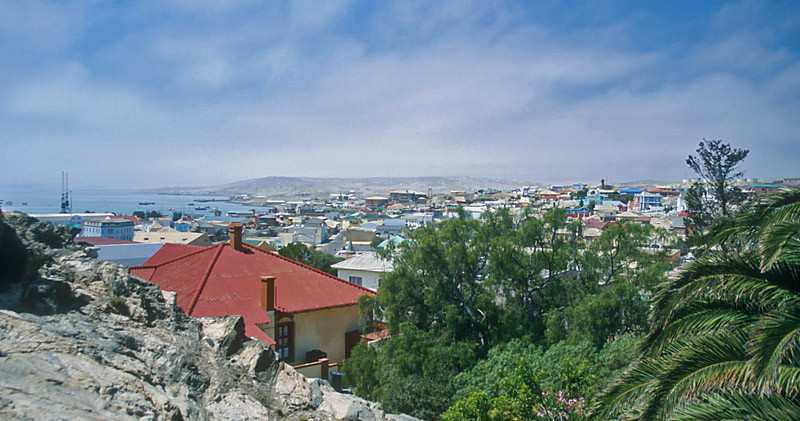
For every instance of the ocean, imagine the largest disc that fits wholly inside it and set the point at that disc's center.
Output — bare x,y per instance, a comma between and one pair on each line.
120,202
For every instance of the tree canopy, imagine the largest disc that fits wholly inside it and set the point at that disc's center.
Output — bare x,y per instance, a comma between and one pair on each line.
466,286
717,164
301,253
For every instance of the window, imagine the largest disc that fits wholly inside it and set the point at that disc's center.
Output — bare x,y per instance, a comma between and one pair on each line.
356,280
284,341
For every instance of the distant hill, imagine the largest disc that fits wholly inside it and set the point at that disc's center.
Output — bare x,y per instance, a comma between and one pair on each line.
309,186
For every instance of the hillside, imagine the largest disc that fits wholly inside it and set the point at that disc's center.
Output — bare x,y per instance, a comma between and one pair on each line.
82,339
308,186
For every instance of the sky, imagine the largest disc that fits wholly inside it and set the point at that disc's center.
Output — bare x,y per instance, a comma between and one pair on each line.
195,92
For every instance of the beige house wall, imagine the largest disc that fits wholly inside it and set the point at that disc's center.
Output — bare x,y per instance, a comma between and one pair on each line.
323,330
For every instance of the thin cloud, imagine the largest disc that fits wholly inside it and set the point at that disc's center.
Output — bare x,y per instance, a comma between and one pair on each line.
211,92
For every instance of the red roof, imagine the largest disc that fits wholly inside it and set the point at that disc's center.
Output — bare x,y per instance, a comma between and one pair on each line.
171,251
220,280
133,218
101,241
595,223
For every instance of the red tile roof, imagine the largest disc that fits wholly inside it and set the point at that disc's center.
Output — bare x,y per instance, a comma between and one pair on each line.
595,223
220,280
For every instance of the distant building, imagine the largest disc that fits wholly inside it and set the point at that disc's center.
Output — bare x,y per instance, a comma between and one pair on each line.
120,251
646,202
121,229
167,235
763,188
374,202
74,219
405,196
795,181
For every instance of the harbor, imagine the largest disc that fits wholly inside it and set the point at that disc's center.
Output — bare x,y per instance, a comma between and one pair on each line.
120,202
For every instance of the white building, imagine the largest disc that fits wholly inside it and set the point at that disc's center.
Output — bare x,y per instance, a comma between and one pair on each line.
365,270
121,229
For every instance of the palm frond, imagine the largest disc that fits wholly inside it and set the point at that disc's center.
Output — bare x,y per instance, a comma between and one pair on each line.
701,320
776,341
738,406
774,240
630,390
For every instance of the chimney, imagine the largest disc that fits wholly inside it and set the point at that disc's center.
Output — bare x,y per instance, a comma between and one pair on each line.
268,293
235,235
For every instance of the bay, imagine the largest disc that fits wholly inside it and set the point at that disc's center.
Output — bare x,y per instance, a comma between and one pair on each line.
120,202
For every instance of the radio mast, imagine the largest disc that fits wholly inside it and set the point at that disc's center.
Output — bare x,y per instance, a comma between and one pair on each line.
66,206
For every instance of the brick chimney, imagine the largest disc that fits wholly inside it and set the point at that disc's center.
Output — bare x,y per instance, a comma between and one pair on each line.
268,293
235,235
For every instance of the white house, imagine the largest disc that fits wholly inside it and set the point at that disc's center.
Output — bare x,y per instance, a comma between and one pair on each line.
365,270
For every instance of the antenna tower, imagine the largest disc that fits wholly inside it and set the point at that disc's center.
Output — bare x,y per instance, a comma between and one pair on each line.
66,206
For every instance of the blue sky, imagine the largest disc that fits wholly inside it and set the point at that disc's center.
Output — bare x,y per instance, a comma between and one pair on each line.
195,92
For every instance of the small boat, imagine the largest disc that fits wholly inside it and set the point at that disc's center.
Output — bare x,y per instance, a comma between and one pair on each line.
24,203
146,203
201,208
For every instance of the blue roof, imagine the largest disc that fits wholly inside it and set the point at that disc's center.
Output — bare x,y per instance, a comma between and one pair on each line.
632,190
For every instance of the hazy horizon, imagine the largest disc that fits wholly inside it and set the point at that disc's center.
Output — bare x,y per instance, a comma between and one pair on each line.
202,93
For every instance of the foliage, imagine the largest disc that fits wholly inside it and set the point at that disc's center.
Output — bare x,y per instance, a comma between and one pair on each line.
438,283
469,286
723,336
314,258
176,215
411,372
716,163
578,369
147,215
521,398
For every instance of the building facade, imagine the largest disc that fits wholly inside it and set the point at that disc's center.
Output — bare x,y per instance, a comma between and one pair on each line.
109,228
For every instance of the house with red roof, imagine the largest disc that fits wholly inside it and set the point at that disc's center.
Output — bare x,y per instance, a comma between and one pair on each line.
303,312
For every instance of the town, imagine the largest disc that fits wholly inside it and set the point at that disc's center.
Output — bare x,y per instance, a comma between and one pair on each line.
196,258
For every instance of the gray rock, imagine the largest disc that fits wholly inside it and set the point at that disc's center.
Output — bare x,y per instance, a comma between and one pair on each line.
82,339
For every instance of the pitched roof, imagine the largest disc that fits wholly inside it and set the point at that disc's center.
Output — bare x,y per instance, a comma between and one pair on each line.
171,251
368,262
220,280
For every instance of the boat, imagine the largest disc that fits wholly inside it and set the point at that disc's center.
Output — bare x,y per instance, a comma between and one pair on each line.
201,208
9,203
146,203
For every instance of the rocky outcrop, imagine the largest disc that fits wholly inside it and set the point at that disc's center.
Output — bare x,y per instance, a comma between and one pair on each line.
83,339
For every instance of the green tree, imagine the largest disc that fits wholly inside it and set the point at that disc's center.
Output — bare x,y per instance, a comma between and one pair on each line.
467,285
724,335
438,283
611,288
301,253
717,164
411,372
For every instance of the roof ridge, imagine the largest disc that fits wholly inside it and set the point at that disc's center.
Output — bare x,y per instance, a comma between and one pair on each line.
205,278
201,250
312,268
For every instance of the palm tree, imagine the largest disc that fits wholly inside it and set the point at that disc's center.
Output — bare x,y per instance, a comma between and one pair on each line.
724,340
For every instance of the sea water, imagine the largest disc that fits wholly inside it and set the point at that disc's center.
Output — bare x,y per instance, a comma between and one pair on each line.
120,202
